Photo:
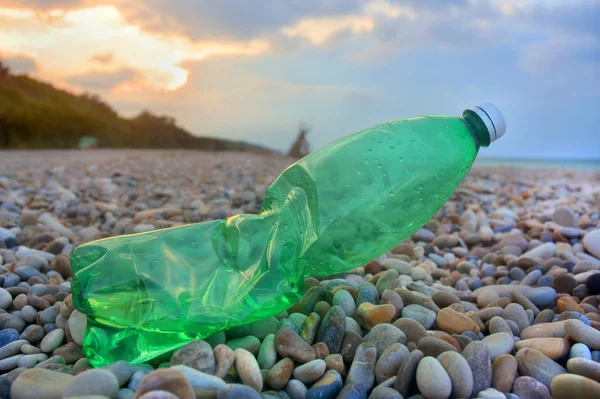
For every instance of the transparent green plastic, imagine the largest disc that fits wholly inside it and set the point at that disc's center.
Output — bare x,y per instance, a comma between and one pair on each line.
336,209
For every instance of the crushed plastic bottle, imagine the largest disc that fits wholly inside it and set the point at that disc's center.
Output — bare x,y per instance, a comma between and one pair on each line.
336,209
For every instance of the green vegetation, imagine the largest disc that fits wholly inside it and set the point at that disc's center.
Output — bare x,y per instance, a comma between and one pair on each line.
36,115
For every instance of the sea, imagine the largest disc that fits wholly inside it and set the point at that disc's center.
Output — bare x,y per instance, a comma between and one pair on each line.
580,164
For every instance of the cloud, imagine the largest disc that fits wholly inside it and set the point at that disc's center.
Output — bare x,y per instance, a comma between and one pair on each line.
18,64
98,80
229,19
103,58
66,43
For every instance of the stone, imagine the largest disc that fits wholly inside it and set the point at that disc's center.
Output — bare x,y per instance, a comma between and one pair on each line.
13,321
310,372
444,299
549,330
579,332
369,315
453,322
460,373
332,328
70,352
349,344
516,313
249,343
405,379
387,280
432,379
328,386
584,367
420,314
321,350
554,348
224,360
77,324
121,370
568,386
30,361
504,372
247,369
235,391
413,330
366,292
200,382
279,375
289,344
296,389
362,370
591,242
478,357
535,364
499,344
92,382
52,340
564,283
528,388
5,299
197,355
165,379
152,394
309,328
578,350
267,355
433,346
335,362
39,383
10,362
393,298
384,335
389,361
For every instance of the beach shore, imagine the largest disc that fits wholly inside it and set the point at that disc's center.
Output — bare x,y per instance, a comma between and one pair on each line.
497,296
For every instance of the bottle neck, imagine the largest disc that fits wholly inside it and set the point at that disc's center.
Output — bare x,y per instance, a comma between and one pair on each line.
477,128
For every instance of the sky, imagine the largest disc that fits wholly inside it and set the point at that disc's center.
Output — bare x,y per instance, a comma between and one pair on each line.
254,69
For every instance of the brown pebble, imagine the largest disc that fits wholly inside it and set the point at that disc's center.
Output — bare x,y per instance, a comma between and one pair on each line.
369,315
279,375
570,386
567,303
554,348
452,322
504,372
321,350
289,344
224,359
166,379
336,362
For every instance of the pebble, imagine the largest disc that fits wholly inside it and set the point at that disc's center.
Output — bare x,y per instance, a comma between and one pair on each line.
328,386
568,386
460,374
499,344
121,370
39,383
296,389
247,369
554,348
310,372
332,328
579,332
432,379
249,343
165,379
453,322
405,379
30,361
478,357
581,351
369,315
279,375
197,355
77,324
234,391
5,299
413,330
361,375
420,314
528,388
591,242
535,364
585,367
92,382
384,335
389,361
199,381
289,344
309,328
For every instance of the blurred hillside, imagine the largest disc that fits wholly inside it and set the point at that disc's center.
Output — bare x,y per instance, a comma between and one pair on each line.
36,115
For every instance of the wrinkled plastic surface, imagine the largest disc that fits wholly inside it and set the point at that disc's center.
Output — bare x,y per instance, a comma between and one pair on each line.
332,211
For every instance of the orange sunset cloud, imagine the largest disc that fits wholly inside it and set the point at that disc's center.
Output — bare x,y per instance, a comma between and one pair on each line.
68,43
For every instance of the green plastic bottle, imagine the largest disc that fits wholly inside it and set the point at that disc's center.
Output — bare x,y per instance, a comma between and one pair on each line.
334,210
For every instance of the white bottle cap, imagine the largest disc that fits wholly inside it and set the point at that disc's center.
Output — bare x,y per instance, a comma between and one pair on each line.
493,119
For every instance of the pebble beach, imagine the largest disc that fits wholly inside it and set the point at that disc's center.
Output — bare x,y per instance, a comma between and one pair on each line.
497,296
